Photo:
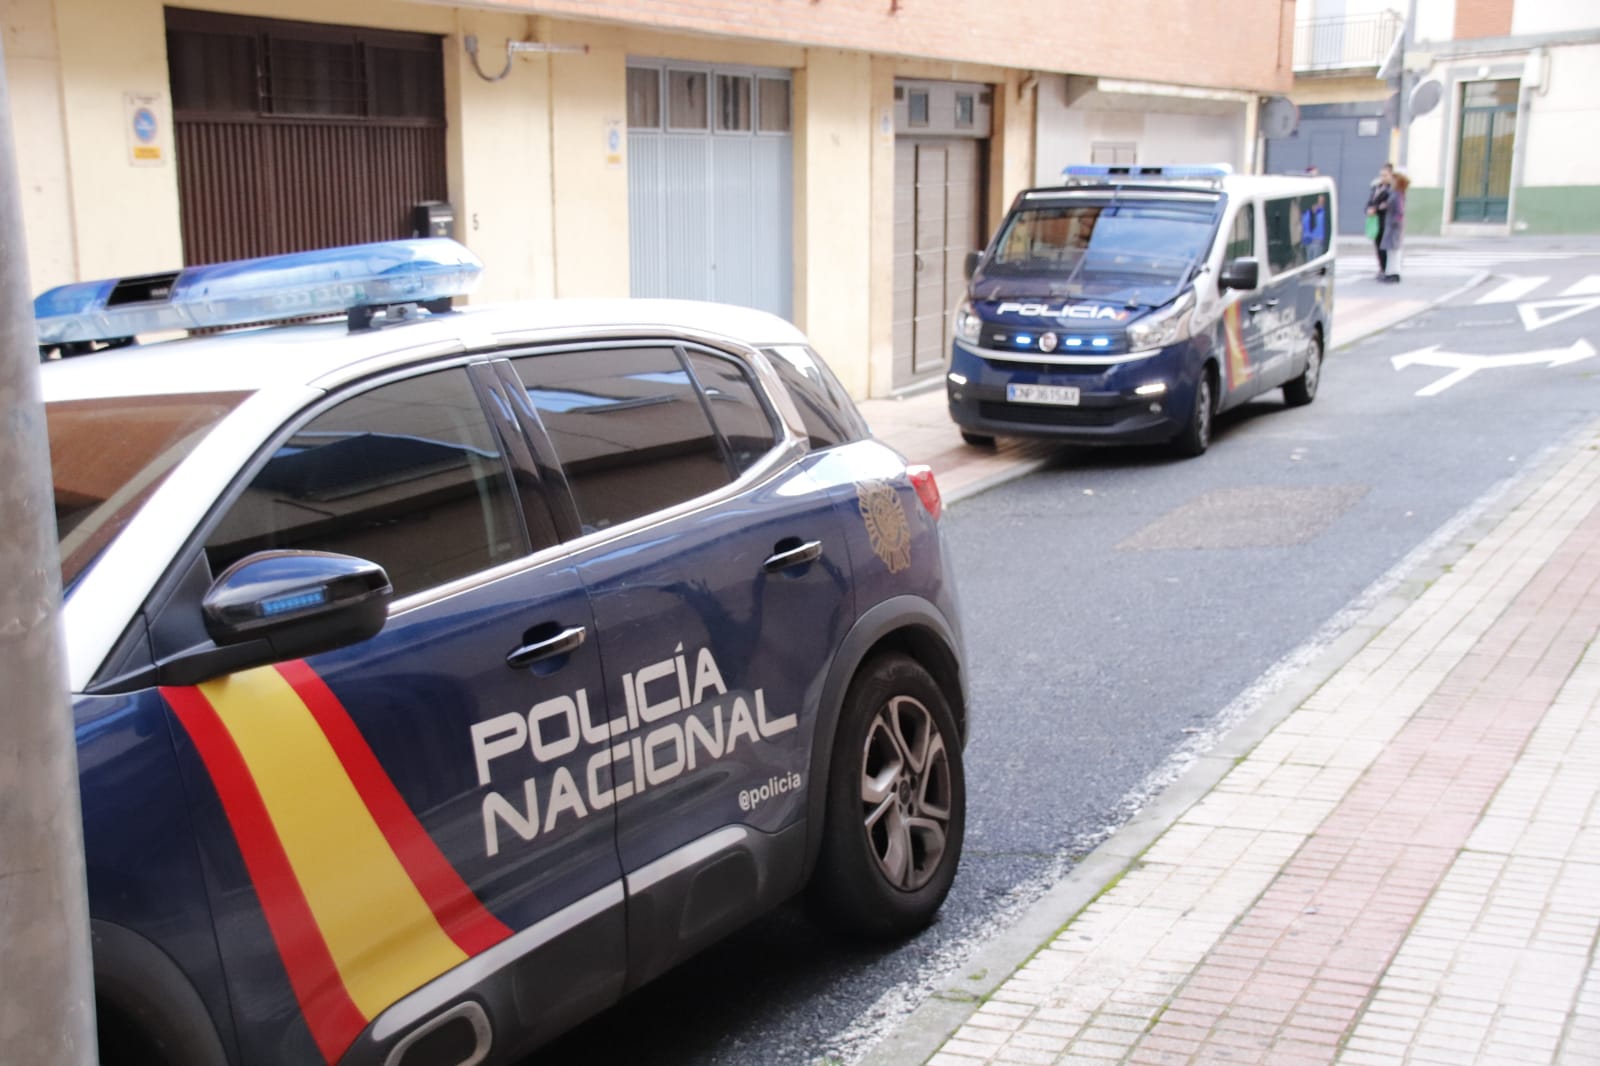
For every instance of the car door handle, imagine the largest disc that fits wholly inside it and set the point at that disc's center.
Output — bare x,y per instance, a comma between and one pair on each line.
567,640
1257,307
809,552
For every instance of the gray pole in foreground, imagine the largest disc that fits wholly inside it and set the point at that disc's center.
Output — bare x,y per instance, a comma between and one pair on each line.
46,994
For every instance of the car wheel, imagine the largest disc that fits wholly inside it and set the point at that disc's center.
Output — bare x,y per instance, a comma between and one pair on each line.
978,440
896,805
1195,437
1303,389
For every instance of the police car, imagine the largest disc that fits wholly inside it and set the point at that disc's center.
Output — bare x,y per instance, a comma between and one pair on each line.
1134,304
441,675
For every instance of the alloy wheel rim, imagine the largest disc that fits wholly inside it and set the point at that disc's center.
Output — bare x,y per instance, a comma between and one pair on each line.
1314,368
906,792
1202,411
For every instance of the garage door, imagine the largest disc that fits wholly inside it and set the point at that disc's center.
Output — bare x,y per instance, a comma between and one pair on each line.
1346,142
711,184
293,136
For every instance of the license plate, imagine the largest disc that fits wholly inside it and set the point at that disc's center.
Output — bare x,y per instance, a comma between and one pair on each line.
1058,395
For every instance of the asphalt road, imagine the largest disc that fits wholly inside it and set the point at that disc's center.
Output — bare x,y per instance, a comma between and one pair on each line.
1122,606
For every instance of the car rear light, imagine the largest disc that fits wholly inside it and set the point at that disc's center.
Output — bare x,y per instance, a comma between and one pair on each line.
927,489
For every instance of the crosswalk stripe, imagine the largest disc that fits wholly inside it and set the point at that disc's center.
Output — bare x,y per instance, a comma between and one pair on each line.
1511,290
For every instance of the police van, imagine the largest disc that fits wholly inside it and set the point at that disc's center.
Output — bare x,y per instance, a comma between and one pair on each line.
1134,304
441,675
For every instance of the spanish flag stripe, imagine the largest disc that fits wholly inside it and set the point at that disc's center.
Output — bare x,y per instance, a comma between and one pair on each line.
466,920
329,1012
383,936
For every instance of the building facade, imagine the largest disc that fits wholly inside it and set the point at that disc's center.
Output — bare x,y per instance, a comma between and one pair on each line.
830,161
1483,103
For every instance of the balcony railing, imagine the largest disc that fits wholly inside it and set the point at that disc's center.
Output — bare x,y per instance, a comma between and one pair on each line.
1354,43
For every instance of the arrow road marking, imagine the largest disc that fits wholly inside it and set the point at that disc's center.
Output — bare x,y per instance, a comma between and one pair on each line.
1462,366
1532,319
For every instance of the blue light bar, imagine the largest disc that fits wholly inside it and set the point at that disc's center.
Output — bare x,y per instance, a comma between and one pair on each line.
1210,172
330,281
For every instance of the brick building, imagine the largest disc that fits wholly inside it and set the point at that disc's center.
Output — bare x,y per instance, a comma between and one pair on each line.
830,160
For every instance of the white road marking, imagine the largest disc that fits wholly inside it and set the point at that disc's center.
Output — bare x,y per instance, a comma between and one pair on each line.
1462,365
1588,286
1533,319
1512,290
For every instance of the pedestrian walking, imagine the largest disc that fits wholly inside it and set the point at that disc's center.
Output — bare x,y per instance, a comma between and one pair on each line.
1394,228
1378,214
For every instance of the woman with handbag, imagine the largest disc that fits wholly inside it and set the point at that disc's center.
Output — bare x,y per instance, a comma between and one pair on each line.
1394,228
1377,215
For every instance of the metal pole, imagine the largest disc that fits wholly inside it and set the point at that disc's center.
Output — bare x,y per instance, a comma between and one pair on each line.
46,991
1408,36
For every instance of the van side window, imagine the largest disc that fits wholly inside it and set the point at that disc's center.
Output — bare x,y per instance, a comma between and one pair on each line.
1242,238
1285,249
1315,224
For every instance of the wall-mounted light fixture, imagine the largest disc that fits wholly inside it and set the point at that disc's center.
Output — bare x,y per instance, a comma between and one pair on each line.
515,48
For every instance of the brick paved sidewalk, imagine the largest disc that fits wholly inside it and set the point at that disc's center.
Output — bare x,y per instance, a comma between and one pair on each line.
1406,869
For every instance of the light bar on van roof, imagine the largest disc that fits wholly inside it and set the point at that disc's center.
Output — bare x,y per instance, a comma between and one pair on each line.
1209,172
330,281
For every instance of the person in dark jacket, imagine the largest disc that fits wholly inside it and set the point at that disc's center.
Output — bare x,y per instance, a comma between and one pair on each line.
1378,206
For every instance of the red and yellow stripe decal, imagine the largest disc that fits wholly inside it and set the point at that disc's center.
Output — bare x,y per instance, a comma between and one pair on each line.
362,905
1238,357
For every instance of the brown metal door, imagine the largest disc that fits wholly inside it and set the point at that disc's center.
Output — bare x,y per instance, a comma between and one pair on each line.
938,220
293,136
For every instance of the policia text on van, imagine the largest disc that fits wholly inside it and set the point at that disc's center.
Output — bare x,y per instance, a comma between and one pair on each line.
1133,304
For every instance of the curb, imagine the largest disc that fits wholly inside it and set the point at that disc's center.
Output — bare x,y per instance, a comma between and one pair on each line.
1465,287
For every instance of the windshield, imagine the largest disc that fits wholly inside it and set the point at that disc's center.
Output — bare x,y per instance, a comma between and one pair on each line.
108,455
1117,252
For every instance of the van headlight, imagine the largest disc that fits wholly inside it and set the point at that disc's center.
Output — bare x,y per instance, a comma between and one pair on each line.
969,327
1164,327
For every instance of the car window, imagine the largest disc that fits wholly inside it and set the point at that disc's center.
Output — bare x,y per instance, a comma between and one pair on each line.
825,408
109,455
408,475
1242,237
747,427
1285,249
629,429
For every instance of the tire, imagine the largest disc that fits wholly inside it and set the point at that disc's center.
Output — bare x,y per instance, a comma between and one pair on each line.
893,829
1195,437
978,440
1303,389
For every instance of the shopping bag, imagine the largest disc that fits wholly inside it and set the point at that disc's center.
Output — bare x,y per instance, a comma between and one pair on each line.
1372,227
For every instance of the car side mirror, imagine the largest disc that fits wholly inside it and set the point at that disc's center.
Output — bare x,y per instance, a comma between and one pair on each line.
1243,273
973,259
274,606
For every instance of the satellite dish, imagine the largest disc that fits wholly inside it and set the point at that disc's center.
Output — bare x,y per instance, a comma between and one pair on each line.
1426,97
1279,117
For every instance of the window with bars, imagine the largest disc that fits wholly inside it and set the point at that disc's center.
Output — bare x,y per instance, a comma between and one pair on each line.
229,64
